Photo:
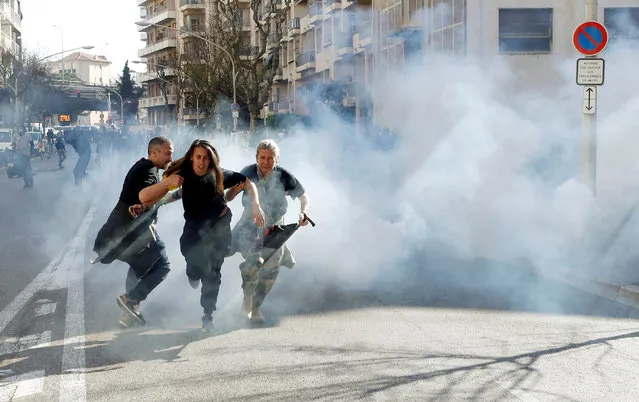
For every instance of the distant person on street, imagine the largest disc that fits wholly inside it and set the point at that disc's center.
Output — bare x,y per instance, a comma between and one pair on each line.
133,239
23,148
81,142
62,152
273,184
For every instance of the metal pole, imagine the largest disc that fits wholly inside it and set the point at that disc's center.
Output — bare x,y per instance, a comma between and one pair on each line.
62,52
17,106
589,125
234,93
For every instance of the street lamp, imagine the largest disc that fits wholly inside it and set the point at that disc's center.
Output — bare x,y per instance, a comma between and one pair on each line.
62,52
70,50
197,98
148,24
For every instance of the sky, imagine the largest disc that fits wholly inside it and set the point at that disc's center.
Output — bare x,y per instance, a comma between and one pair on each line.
109,26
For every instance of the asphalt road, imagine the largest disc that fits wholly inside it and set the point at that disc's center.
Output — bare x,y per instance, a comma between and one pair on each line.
445,330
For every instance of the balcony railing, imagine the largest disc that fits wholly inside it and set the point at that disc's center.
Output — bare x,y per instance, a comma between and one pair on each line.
305,58
315,9
9,45
344,39
365,29
248,50
191,2
193,28
283,105
294,23
11,15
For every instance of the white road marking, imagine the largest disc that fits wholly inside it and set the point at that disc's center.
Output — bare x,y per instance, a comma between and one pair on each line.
44,308
15,345
8,313
22,385
72,382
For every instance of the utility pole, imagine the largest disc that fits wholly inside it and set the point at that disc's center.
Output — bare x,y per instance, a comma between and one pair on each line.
589,123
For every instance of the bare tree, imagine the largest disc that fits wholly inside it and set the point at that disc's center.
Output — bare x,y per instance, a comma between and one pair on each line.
252,38
198,72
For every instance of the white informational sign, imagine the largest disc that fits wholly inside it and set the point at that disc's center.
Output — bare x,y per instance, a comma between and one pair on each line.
590,100
218,118
236,114
590,71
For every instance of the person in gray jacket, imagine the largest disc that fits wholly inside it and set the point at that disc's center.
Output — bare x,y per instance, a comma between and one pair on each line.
273,184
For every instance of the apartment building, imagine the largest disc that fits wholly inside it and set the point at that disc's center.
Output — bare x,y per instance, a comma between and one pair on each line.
362,42
88,68
160,52
324,41
10,42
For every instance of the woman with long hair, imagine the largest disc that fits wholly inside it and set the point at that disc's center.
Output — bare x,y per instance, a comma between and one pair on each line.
206,238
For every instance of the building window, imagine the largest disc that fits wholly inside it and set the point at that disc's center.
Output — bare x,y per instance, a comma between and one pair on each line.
525,30
448,26
622,24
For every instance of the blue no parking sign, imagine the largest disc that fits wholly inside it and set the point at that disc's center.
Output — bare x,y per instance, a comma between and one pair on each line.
590,38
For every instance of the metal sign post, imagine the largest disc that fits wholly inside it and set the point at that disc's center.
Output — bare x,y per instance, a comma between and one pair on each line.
235,108
590,38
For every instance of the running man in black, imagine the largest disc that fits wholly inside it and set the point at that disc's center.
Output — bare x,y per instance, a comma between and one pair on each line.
273,184
206,238
134,240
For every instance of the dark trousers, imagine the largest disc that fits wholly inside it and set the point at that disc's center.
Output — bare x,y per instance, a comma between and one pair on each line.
204,248
147,269
27,172
62,155
80,169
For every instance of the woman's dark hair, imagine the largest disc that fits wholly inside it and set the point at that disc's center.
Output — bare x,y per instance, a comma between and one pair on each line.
214,165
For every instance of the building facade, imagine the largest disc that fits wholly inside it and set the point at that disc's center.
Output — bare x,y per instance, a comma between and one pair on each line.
160,101
358,44
88,68
363,42
10,48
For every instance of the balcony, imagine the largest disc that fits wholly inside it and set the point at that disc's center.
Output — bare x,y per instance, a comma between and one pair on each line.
186,5
11,16
248,51
239,23
279,74
363,36
305,61
315,11
350,98
330,5
156,47
283,106
9,45
157,101
272,40
294,26
192,30
141,3
344,44
157,16
191,113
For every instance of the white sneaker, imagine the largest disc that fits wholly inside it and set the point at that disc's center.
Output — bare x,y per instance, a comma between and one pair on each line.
247,304
256,315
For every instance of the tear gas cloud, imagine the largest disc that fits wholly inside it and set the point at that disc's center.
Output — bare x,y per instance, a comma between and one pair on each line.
484,167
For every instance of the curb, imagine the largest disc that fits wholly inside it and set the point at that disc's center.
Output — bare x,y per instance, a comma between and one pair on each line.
624,294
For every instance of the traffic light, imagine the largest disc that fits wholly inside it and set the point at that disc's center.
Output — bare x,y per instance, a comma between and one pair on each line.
78,93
